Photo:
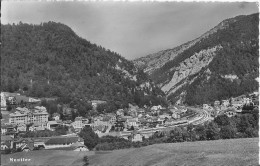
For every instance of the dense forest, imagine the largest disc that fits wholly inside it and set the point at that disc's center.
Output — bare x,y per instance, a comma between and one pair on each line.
50,60
239,56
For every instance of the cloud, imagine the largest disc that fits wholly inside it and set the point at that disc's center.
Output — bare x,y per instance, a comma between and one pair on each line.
132,29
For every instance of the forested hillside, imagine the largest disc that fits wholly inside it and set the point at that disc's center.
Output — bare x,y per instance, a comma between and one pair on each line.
220,64
50,60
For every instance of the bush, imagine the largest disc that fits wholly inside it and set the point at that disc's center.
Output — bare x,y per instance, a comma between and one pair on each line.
86,162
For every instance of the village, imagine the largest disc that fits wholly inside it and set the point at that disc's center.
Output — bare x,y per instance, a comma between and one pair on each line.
22,114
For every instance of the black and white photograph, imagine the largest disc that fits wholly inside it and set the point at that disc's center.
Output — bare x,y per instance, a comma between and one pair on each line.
129,83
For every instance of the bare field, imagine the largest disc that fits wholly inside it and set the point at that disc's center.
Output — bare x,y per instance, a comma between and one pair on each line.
46,158
236,152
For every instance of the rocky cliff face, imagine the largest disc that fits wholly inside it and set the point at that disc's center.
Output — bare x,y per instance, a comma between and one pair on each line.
188,67
205,69
155,61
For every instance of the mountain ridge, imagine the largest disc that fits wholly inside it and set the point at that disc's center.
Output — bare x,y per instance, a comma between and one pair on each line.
236,40
148,62
50,60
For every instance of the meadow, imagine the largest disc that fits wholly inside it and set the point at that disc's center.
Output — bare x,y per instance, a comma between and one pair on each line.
233,152
46,158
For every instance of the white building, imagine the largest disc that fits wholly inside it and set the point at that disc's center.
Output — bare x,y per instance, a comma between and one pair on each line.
247,101
205,106
137,137
159,107
132,122
79,147
225,103
24,115
3,101
56,116
77,124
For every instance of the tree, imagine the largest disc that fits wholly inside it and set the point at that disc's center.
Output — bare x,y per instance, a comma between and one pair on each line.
91,139
222,120
9,108
132,128
243,124
212,131
62,130
251,132
201,132
86,162
227,132
176,135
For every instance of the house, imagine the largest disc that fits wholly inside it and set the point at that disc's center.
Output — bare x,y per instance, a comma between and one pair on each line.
25,115
113,117
237,102
213,112
230,112
33,100
27,147
99,121
159,107
216,103
51,125
23,143
6,142
85,121
3,102
247,101
11,100
62,141
225,103
132,122
140,115
205,106
99,129
169,122
135,137
165,115
21,127
32,128
40,126
79,147
3,129
160,121
9,128
77,124
56,116
120,112
66,110
119,124
176,115
95,103
210,108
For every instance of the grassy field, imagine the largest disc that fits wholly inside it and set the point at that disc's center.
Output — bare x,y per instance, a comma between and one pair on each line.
236,152
46,158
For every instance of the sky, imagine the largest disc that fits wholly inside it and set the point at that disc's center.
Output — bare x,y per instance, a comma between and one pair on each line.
132,29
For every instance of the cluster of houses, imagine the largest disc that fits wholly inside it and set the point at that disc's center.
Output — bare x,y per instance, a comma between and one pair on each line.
232,106
71,142
133,123
16,99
